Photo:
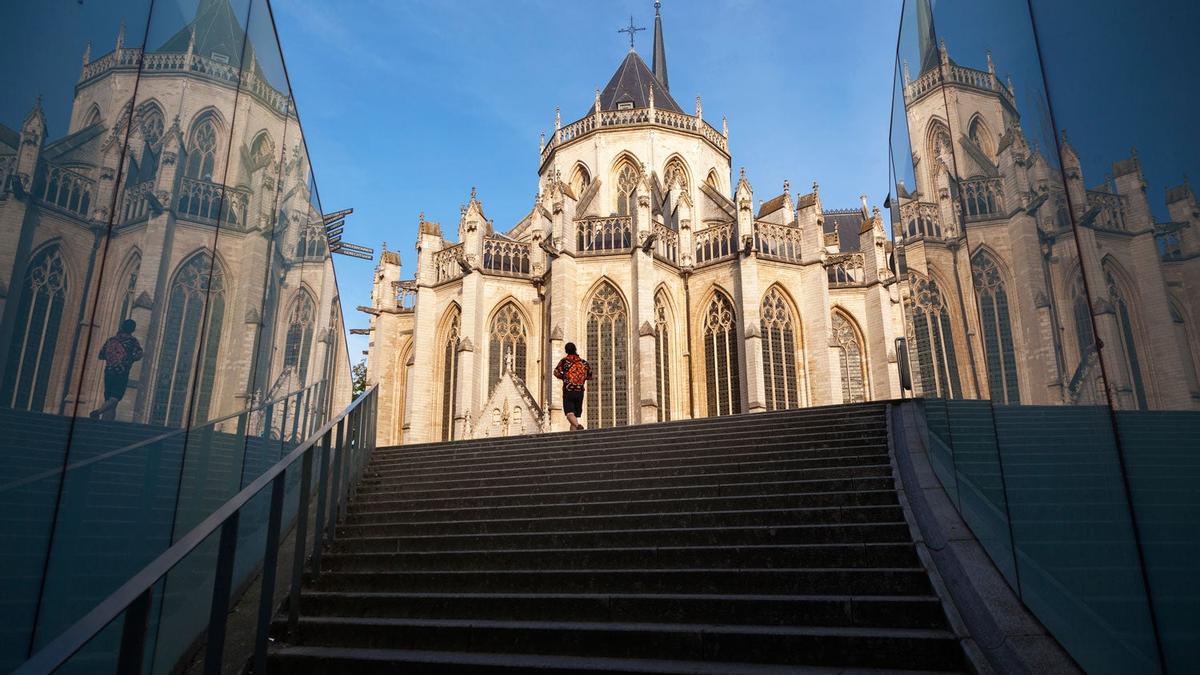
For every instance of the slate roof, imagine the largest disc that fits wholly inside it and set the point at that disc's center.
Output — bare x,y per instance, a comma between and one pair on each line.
771,205
632,83
848,224
217,31
9,137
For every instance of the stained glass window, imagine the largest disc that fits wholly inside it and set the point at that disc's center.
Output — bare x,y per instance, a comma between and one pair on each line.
199,280
996,327
933,341
721,357
506,345
779,352
850,359
299,337
201,151
450,374
35,337
662,357
608,354
1129,352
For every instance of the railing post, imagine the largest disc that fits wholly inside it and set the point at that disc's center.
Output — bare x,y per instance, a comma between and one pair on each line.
301,536
218,615
268,414
335,496
133,634
296,416
266,598
322,492
283,425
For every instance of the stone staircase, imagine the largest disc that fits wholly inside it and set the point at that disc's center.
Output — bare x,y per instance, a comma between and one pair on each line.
751,543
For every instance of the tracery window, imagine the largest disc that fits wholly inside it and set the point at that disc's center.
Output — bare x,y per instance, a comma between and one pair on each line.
297,346
202,151
851,359
1128,353
933,340
982,139
996,325
130,287
608,353
1183,337
186,338
713,181
450,374
311,243
627,179
152,125
779,352
35,336
580,180
721,357
507,342
662,358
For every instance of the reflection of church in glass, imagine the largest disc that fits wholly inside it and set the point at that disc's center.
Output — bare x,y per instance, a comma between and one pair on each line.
689,301
180,197
1015,277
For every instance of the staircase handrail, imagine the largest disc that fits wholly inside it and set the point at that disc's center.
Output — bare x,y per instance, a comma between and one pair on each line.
133,598
21,482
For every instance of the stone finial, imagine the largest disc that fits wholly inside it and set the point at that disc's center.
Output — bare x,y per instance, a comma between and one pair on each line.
652,96
1011,89
742,173
990,66
865,208
121,35
192,41
816,188
557,119
87,53
597,101
724,126
787,187
907,77
542,142
942,51
699,109
421,218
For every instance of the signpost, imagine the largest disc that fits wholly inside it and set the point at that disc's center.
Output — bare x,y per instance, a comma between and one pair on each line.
334,224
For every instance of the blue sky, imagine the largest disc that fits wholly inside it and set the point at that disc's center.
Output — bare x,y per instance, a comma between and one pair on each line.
408,104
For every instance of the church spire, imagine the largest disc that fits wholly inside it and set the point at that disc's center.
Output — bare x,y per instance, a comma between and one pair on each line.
660,49
926,37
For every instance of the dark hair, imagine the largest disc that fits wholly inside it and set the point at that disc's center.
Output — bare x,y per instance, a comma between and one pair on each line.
128,326
570,347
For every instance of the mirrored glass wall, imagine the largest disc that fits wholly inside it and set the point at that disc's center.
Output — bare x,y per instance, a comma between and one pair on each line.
1049,246
169,313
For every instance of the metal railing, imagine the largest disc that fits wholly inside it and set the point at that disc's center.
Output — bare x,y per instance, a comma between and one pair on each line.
341,447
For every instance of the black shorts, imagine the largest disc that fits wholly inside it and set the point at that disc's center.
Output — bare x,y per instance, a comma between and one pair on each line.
573,403
115,385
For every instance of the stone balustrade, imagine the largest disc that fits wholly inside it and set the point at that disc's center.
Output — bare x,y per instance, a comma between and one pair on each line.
635,117
211,203
448,263
505,256
606,234
959,75
666,243
845,269
406,295
1112,210
920,219
714,244
777,242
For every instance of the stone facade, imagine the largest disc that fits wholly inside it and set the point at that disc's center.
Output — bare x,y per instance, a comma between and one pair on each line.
181,197
645,251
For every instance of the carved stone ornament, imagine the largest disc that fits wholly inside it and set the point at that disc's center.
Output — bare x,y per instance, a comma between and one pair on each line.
107,173
252,315
753,331
465,345
556,333
646,330
168,158
143,301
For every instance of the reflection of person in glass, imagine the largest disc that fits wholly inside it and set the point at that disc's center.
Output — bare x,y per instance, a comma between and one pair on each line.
119,352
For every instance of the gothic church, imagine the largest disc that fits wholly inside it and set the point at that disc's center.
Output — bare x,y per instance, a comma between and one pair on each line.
647,251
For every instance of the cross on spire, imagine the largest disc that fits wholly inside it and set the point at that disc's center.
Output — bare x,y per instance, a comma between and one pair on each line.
632,30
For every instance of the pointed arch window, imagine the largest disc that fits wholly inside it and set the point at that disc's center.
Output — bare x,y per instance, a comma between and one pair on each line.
675,183
187,357
94,116
311,243
996,325
713,181
506,341
608,352
450,374
932,340
580,180
851,359
982,138
627,179
202,151
662,357
779,352
1183,337
297,346
152,125
1128,355
721,357
129,287
35,336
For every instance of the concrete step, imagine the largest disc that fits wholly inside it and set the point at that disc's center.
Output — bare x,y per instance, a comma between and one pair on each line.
791,645
718,534
924,611
402,525
690,579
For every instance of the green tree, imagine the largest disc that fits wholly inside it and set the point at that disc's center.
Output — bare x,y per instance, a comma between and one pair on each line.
358,374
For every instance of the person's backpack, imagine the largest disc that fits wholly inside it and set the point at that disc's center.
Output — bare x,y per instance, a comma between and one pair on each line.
578,373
